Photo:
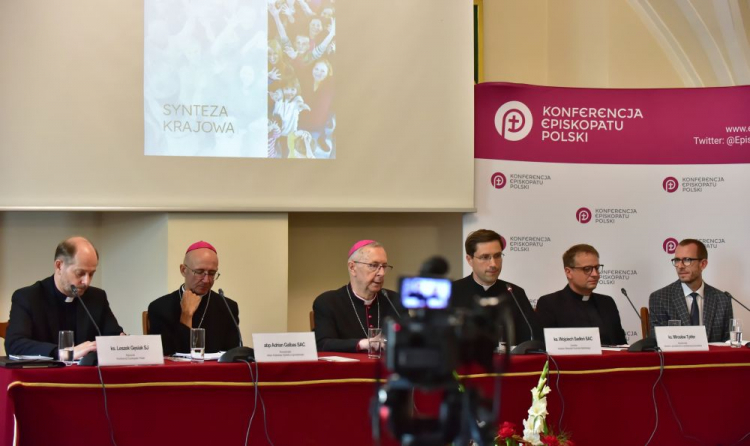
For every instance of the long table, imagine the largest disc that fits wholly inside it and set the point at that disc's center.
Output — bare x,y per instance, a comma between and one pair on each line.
607,400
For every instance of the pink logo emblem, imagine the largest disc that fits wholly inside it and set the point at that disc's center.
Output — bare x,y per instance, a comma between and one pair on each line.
583,215
670,245
670,184
513,121
503,243
498,180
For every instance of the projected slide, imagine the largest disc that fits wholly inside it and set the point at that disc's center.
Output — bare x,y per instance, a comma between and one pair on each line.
239,78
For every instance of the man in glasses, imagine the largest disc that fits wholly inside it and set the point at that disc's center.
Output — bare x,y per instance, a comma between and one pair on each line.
194,305
344,316
577,305
484,253
691,300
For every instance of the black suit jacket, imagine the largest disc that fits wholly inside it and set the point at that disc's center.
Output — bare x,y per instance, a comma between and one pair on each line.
341,319
464,290
221,333
566,309
35,321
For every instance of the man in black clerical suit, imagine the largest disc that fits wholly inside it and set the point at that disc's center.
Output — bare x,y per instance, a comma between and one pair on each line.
484,253
194,305
343,316
38,312
577,305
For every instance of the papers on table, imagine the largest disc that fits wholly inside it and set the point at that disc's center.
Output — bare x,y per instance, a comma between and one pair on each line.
337,359
30,358
206,356
614,348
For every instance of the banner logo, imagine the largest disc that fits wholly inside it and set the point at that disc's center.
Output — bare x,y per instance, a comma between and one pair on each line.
503,243
670,245
583,215
513,121
670,184
498,180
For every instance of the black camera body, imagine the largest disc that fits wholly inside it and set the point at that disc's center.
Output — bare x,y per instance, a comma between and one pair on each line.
425,352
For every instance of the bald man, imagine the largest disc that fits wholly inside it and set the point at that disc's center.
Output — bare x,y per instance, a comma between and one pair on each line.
194,305
38,312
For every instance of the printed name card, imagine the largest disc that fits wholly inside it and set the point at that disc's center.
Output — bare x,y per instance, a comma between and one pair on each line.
285,347
688,338
129,350
573,341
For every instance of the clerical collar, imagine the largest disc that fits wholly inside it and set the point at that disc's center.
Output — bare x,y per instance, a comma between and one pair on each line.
60,295
580,296
366,302
486,287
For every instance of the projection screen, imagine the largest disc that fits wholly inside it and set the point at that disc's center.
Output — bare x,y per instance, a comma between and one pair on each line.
88,90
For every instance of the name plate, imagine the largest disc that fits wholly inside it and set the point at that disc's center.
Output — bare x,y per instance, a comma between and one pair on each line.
689,338
285,347
129,350
573,341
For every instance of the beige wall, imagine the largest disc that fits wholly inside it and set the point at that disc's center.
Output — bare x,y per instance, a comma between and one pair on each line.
575,43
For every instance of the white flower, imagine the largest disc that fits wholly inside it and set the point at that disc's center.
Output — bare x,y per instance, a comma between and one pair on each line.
532,437
546,390
538,408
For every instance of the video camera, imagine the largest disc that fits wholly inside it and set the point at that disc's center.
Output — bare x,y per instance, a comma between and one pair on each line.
425,352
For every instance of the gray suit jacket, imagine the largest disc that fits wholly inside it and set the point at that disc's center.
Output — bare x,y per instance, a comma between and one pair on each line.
669,303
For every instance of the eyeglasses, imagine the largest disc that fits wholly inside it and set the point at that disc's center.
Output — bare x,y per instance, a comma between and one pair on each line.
685,261
487,257
213,275
589,269
372,267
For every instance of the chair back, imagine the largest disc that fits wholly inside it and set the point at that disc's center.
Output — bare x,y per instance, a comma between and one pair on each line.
645,323
144,321
312,320
3,329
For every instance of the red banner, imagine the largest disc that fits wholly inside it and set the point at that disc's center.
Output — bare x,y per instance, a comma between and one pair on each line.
603,126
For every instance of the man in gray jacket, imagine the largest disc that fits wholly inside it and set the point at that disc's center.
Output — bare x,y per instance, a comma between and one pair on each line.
690,300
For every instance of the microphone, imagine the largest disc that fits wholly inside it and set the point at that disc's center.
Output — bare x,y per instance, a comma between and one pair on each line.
385,293
642,345
625,293
90,358
732,297
239,353
434,266
532,345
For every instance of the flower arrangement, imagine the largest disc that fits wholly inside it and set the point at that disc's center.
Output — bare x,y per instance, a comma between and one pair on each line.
536,432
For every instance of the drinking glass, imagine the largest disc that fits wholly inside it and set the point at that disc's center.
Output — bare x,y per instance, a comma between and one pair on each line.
65,346
375,343
197,344
735,333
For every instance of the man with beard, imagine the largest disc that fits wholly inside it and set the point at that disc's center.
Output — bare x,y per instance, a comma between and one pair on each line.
691,300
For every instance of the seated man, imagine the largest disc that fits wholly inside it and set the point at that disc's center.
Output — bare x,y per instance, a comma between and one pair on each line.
343,316
194,305
691,300
38,312
484,253
577,305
